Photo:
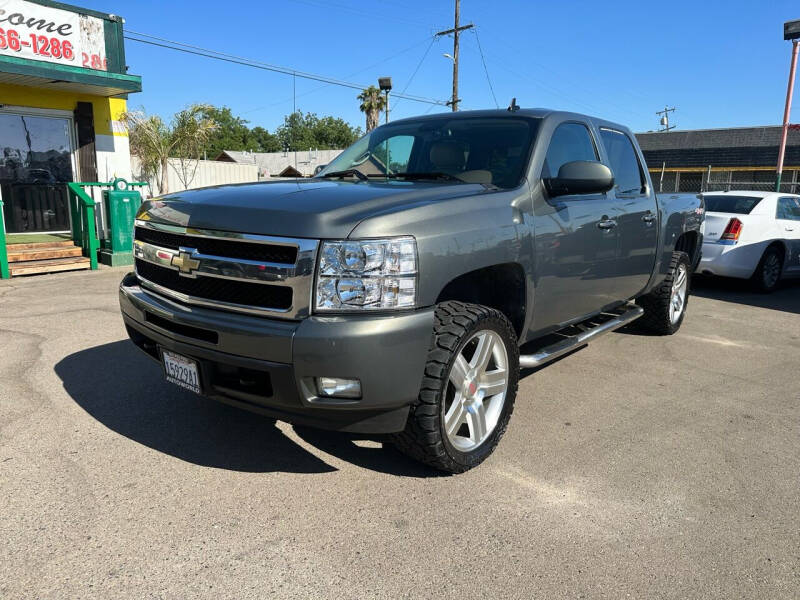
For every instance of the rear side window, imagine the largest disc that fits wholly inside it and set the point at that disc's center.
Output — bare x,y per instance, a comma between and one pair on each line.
789,209
570,142
740,205
624,162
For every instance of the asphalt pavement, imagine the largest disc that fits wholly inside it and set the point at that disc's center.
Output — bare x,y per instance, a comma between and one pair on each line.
638,467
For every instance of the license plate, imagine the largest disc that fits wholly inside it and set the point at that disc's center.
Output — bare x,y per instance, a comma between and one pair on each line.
181,371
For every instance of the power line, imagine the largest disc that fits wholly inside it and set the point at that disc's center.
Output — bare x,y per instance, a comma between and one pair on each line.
248,62
419,64
322,87
485,69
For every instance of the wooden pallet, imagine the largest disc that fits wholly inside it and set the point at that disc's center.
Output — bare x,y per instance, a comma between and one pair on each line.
45,257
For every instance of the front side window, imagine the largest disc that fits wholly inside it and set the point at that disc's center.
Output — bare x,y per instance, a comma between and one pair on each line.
624,162
492,151
570,142
789,209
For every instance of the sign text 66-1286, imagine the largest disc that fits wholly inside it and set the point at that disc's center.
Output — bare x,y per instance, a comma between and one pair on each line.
43,33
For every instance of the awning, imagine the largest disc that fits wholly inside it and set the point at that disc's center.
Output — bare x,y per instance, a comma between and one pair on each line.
32,73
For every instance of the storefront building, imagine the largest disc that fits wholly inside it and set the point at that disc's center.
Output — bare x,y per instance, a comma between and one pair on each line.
63,87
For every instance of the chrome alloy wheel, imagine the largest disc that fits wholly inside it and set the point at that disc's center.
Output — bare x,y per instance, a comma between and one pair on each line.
476,390
678,298
771,271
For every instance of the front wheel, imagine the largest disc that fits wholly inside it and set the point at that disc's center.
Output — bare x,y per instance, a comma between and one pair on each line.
665,305
468,389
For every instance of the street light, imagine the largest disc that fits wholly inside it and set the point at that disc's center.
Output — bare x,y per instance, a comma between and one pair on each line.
385,83
450,56
791,31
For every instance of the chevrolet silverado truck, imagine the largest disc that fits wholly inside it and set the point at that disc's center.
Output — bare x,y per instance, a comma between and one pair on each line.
401,290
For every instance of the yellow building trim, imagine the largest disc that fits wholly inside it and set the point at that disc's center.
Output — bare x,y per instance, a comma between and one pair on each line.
716,169
106,110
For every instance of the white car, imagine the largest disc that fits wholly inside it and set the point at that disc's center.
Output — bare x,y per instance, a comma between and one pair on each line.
752,235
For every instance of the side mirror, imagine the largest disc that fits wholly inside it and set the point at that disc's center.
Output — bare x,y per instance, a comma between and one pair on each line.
580,177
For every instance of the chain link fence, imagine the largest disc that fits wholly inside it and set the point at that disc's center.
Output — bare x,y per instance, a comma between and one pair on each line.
711,180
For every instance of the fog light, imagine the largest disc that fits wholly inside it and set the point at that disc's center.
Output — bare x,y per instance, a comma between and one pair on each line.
335,387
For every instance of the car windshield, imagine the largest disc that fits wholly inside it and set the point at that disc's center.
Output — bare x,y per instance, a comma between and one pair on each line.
487,150
740,205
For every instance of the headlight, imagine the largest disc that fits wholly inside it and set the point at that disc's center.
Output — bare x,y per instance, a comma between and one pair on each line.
367,275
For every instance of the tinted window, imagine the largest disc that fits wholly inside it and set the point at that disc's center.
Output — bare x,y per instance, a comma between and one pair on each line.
570,141
474,149
624,163
740,205
789,209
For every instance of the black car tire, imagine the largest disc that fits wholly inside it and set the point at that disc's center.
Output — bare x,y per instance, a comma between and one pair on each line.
656,304
424,437
764,279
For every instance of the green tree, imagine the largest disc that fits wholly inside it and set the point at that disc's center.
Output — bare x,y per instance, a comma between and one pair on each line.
153,141
372,103
232,132
306,131
264,141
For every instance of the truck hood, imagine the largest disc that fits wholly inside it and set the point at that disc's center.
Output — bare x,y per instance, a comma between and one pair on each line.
303,208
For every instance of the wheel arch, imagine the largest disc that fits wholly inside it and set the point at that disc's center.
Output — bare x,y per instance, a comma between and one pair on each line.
689,242
500,286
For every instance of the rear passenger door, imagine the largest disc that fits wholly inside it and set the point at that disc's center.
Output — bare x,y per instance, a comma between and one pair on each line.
635,212
788,218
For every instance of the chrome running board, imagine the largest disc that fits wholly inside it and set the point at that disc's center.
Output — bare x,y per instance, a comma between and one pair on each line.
580,334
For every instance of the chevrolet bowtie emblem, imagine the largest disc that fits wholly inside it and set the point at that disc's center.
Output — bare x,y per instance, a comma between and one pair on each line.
185,263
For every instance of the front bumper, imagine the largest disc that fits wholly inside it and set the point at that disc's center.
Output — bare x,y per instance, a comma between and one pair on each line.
268,365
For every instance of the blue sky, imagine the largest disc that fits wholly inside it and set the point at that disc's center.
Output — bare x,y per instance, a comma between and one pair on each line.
720,63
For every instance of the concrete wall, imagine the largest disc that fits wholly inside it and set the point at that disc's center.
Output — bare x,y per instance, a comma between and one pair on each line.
208,173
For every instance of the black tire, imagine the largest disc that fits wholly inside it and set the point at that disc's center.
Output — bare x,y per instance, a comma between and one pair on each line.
764,280
656,304
424,438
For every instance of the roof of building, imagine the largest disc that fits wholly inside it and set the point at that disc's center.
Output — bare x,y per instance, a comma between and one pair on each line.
732,147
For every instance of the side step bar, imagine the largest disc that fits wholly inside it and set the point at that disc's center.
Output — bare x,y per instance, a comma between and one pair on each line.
587,330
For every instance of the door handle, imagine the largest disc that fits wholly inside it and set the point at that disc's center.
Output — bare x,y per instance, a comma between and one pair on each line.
649,218
607,224
790,229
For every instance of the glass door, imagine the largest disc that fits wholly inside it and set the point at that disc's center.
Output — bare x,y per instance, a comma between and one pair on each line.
35,166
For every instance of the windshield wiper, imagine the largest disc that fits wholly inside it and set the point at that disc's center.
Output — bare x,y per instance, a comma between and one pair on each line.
423,175
346,173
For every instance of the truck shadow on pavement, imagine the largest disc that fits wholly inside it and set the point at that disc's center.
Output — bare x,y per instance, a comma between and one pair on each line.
786,298
125,391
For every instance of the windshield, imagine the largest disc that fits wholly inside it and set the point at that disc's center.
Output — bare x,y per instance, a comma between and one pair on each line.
487,150
740,205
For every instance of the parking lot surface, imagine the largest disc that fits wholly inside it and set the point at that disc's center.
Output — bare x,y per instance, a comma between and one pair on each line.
639,467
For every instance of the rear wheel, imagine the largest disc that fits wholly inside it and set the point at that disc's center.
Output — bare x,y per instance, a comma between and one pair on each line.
665,306
767,275
468,390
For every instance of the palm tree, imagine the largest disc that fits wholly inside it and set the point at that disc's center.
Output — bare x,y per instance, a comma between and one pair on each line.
372,103
154,142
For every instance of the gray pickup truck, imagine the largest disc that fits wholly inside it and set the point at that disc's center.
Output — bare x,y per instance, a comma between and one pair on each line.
401,289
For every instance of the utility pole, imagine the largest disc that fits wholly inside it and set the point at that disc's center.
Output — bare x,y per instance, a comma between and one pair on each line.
665,118
791,32
456,30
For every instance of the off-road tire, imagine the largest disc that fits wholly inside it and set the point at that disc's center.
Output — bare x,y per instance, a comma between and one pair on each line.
656,303
424,438
758,276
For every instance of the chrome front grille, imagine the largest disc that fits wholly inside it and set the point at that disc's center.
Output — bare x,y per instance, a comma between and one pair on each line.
256,274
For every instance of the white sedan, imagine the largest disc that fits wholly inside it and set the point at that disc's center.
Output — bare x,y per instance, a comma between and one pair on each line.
752,235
